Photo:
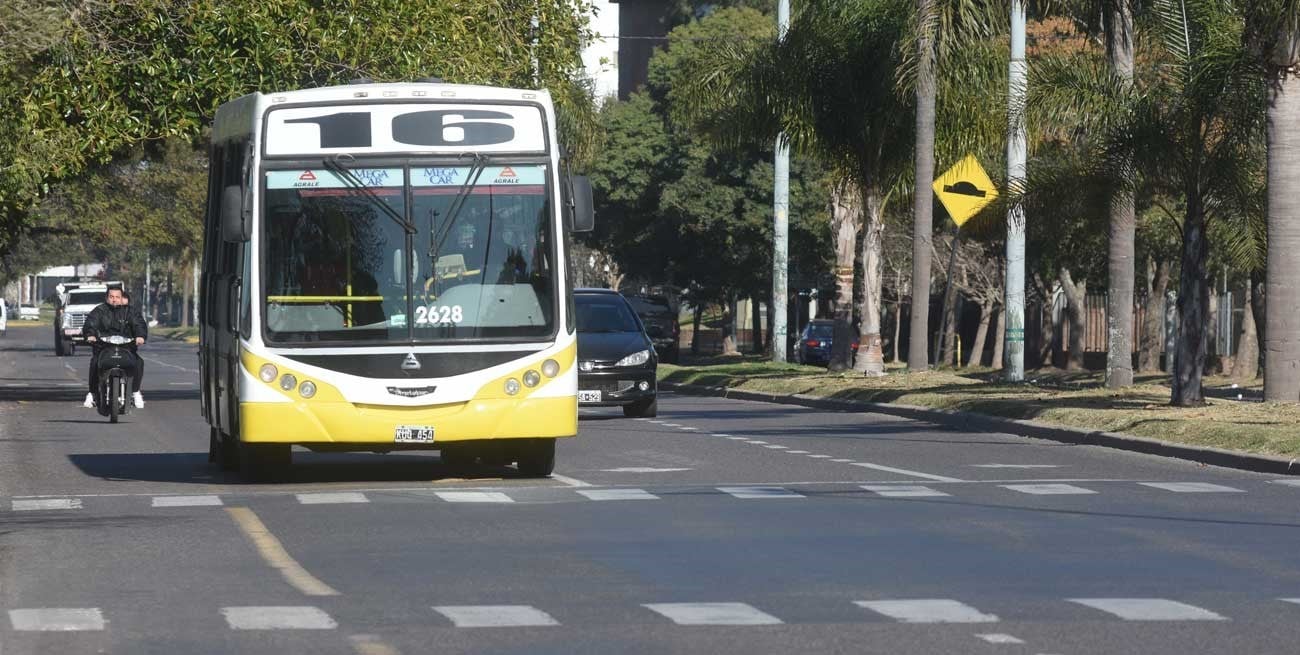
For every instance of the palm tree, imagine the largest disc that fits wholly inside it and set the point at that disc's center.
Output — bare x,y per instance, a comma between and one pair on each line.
1273,36
1189,127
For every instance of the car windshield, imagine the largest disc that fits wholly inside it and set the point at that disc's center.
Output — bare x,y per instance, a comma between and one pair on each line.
458,252
86,297
649,306
605,314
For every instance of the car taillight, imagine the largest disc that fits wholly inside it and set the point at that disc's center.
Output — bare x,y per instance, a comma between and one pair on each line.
855,345
813,343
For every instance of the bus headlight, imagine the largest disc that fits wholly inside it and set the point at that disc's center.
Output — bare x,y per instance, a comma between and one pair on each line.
307,389
288,382
512,387
635,359
268,373
531,378
550,368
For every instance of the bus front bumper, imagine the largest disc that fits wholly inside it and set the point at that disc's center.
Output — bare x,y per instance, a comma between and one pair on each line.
370,426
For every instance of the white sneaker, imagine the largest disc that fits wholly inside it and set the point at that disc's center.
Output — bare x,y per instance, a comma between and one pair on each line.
90,401
137,400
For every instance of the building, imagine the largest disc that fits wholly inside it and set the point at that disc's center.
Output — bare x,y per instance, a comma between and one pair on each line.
643,25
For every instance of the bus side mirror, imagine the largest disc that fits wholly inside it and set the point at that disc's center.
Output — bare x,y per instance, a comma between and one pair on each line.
584,212
234,227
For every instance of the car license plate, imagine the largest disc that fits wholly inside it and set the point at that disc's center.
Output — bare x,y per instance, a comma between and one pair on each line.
72,332
413,434
589,396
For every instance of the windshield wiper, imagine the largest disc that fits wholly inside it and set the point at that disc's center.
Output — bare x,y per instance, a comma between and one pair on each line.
457,203
335,166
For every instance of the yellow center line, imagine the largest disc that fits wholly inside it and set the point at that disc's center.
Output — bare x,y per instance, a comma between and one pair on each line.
371,645
270,549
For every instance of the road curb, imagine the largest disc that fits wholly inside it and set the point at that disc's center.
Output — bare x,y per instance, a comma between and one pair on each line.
1033,429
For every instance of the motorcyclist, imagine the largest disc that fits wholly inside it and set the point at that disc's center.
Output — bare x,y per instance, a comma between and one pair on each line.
115,317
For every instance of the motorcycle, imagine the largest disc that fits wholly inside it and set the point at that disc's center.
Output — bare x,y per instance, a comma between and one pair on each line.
115,368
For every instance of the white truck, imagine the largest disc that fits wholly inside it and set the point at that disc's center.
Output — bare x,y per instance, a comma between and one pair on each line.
76,300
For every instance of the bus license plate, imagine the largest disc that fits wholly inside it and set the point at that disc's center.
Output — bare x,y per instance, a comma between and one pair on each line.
589,396
413,434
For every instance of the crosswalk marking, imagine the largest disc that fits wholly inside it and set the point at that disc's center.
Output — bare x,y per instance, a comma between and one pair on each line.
186,501
903,490
1192,487
1000,639
332,498
1048,489
40,504
927,611
713,614
760,492
474,497
57,619
495,616
618,494
278,618
1149,609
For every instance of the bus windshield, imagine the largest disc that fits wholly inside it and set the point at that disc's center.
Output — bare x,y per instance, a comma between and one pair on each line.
472,259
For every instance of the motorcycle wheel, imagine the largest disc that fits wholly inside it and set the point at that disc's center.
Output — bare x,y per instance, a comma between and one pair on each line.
113,399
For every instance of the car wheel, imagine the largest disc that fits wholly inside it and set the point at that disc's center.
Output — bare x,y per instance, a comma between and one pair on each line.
536,457
647,408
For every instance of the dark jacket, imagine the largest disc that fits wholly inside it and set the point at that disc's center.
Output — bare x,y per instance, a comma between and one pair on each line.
107,320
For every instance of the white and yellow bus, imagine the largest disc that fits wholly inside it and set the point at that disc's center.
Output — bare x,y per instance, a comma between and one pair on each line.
385,268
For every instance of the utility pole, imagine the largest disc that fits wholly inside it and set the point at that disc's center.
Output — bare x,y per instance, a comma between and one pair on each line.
145,300
781,218
1014,348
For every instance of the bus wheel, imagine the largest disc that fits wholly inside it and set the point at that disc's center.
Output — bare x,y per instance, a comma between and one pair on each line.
222,450
264,462
536,457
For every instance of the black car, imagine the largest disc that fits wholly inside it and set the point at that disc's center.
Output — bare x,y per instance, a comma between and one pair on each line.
814,346
661,325
616,360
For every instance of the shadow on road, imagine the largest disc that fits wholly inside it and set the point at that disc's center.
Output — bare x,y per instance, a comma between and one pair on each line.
308,467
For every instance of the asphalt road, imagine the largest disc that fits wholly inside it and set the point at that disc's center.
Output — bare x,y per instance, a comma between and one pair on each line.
720,527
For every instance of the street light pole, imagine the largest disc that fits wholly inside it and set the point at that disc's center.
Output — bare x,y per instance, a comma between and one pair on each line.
781,219
1014,347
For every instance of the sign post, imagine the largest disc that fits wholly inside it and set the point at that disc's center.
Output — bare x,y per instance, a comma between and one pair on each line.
964,190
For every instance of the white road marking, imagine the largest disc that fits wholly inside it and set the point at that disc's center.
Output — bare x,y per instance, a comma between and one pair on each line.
181,384
56,619
572,482
760,492
903,490
474,497
495,616
842,461
686,427
915,474
332,498
186,501
670,425
1291,600
1192,487
797,452
775,447
1149,609
46,504
756,442
642,469
1048,489
1000,639
821,456
1016,466
713,614
927,611
618,494
720,434
278,618
1289,483
739,438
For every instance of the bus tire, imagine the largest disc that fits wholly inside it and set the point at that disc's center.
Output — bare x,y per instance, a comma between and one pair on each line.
536,458
648,408
264,462
222,451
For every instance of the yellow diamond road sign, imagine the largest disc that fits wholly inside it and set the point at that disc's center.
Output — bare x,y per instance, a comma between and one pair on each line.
964,189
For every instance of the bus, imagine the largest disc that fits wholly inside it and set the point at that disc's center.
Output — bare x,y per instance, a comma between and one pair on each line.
386,267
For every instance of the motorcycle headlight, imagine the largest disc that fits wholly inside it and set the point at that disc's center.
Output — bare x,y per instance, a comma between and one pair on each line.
635,359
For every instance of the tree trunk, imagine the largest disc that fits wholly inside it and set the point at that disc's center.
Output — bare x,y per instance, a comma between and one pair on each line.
1047,338
977,346
898,311
1153,317
1120,263
948,341
697,312
1282,289
1193,300
756,334
918,353
729,329
1075,310
1212,329
846,213
185,300
870,360
1001,336
1245,367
